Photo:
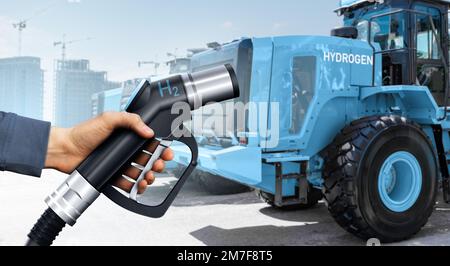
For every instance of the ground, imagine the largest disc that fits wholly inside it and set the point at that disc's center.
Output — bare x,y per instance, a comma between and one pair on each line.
195,219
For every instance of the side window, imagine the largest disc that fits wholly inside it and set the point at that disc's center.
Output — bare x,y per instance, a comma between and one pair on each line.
303,87
427,44
389,31
430,70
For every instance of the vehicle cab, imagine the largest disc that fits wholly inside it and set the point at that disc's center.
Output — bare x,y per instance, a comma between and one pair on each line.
412,35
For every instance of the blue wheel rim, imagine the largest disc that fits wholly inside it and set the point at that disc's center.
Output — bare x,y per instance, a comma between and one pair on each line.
400,181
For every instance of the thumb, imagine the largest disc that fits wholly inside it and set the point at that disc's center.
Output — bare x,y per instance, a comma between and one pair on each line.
128,121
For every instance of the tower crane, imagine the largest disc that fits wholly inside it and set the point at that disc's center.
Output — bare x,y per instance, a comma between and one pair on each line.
155,64
64,44
22,25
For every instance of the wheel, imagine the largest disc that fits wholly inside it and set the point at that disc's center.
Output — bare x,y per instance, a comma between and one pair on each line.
381,178
314,196
217,185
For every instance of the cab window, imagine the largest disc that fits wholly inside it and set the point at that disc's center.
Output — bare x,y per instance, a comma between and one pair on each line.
389,32
430,68
427,44
303,87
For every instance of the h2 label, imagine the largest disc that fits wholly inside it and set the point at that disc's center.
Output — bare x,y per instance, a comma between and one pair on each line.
168,90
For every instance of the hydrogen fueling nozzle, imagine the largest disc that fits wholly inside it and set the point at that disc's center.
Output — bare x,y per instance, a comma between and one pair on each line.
153,102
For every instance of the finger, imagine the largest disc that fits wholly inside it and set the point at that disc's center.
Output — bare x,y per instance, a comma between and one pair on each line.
124,184
132,172
167,155
150,178
135,123
142,186
126,120
151,148
159,166
142,159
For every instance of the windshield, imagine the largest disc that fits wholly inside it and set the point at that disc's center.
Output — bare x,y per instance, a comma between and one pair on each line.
388,31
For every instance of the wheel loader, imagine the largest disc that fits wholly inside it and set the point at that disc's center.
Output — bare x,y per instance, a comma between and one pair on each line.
359,119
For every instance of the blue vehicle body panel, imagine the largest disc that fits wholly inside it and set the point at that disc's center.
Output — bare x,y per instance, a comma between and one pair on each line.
414,102
337,86
227,162
260,82
343,92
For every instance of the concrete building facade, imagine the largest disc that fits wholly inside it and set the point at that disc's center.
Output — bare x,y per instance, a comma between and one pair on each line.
22,86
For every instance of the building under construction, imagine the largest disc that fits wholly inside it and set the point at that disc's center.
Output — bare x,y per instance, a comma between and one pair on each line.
22,86
75,83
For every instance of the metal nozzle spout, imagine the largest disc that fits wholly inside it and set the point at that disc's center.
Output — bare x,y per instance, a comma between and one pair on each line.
212,85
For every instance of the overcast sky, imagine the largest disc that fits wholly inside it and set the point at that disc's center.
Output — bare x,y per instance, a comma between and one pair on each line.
126,31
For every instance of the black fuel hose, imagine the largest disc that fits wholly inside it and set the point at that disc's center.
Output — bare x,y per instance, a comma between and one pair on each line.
46,229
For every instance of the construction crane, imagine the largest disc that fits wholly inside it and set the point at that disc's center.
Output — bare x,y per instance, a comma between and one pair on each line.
154,63
64,44
173,55
22,25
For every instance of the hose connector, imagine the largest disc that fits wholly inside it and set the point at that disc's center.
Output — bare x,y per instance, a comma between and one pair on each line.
72,198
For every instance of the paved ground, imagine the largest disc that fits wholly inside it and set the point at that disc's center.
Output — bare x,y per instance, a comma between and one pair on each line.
196,219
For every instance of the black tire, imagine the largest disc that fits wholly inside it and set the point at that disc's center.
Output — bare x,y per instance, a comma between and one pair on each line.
352,165
314,196
217,185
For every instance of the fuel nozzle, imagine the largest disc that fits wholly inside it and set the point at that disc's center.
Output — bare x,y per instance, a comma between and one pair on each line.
153,102
197,89
212,85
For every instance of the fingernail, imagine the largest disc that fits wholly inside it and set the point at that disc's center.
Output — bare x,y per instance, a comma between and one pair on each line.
148,130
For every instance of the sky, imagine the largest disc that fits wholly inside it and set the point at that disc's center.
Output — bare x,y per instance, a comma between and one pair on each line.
124,32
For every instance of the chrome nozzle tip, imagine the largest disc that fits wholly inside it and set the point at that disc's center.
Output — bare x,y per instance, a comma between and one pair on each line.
234,80
212,85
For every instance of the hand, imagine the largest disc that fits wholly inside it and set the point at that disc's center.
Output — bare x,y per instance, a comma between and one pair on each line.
68,148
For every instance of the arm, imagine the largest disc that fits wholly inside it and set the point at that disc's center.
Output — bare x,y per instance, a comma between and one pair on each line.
30,145
68,148
23,144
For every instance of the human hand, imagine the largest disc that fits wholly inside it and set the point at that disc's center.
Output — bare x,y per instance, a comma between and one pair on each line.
68,148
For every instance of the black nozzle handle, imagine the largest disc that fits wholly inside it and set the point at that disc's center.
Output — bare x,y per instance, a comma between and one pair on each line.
153,102
159,211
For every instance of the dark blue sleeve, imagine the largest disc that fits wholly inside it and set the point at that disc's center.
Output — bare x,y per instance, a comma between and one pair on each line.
23,144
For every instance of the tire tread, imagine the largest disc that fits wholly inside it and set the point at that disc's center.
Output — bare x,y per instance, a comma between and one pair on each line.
343,158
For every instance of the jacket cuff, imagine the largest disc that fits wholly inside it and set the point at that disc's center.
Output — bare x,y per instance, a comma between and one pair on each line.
25,144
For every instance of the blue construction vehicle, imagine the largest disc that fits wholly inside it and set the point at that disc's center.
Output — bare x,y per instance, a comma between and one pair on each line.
362,122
